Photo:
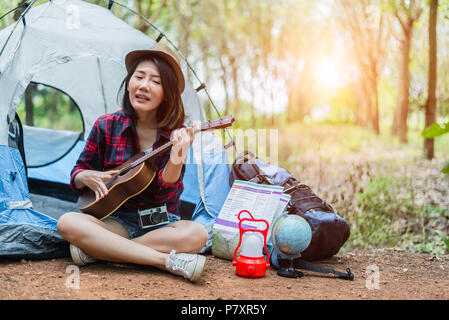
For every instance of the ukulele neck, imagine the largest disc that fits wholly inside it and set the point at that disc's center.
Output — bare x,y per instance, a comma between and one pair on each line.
212,124
148,154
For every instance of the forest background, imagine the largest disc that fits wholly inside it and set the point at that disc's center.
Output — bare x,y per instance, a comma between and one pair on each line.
356,91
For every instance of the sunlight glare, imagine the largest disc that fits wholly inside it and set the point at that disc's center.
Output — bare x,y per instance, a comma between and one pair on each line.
327,74
320,113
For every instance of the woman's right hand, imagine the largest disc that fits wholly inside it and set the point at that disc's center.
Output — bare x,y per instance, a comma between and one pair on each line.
94,180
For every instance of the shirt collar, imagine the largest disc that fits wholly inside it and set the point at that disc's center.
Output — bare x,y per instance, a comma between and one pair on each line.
163,133
129,123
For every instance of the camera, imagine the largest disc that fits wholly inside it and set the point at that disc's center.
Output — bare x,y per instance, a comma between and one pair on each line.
153,217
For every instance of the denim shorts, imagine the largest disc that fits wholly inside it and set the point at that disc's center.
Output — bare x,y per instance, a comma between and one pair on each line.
129,221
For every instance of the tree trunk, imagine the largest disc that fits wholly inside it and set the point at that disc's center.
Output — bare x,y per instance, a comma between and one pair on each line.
432,77
290,104
149,13
366,114
224,78
72,106
407,13
253,98
29,108
225,85
52,108
375,107
395,124
234,71
372,106
358,90
403,90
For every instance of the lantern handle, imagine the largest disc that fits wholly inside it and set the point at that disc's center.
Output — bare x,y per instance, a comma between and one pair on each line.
238,216
243,230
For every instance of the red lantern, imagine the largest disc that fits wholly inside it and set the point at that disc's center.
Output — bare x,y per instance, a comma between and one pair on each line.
251,262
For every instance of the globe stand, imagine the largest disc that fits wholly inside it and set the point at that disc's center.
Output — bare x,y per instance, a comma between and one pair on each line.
291,235
289,272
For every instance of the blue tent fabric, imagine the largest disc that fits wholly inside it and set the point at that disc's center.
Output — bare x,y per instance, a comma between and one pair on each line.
215,177
57,171
24,232
191,191
30,241
27,233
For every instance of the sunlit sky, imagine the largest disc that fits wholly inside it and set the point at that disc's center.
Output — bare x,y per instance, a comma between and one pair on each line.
326,73
331,70
271,94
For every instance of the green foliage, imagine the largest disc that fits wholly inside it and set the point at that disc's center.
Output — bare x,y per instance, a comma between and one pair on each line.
343,105
385,210
381,204
389,195
51,109
436,130
445,169
445,240
443,7
416,141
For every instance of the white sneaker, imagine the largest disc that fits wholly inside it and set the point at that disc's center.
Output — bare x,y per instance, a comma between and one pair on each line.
80,257
190,266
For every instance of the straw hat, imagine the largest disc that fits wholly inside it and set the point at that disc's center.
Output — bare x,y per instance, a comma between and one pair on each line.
162,51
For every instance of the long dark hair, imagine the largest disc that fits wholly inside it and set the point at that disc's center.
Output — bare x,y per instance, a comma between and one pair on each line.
170,114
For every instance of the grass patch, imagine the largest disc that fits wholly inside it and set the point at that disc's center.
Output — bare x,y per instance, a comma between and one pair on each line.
387,191
389,194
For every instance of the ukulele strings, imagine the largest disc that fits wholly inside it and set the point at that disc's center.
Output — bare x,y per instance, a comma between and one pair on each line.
205,126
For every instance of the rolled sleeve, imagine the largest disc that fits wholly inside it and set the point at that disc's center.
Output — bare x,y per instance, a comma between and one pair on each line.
165,185
74,172
168,191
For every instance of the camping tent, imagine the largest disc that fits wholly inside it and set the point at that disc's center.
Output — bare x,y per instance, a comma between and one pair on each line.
84,59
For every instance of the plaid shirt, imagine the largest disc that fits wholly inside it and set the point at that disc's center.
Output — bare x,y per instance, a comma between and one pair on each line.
112,141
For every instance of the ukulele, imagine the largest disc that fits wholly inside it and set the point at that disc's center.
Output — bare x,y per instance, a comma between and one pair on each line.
133,177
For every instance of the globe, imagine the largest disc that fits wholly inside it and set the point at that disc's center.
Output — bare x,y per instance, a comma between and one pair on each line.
291,235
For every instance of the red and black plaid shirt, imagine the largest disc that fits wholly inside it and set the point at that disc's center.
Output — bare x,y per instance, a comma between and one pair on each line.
112,141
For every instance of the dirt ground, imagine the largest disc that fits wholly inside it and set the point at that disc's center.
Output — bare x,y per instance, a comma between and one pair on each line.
401,275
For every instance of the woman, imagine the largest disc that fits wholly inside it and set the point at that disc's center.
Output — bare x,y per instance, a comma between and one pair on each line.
152,114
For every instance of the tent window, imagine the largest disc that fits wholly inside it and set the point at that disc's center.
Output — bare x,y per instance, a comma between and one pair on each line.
52,124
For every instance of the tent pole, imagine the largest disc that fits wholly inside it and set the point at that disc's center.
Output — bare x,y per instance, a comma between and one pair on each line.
22,16
12,10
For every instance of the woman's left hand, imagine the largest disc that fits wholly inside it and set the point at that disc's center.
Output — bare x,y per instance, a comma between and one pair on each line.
182,140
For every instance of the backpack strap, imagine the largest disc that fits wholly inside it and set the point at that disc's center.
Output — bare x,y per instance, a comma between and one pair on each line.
302,264
245,168
305,199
